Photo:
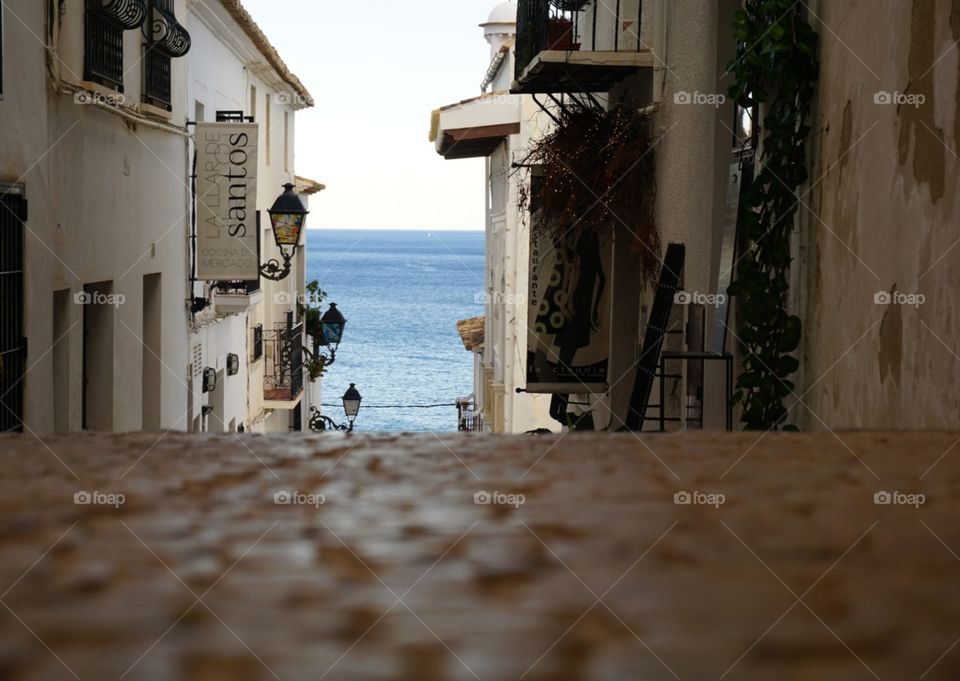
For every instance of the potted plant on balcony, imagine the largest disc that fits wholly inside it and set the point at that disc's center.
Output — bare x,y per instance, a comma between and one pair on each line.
560,35
315,366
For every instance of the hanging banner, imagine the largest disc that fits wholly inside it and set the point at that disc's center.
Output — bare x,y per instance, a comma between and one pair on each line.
568,342
227,157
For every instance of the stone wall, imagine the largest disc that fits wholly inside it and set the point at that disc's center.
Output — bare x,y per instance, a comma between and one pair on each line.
885,218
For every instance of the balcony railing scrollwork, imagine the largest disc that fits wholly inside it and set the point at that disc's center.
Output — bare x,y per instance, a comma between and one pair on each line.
164,32
167,39
129,14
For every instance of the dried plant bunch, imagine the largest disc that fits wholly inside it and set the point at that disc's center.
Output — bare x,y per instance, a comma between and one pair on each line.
596,170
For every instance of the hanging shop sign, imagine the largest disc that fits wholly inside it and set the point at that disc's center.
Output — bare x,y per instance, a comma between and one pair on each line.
226,202
568,342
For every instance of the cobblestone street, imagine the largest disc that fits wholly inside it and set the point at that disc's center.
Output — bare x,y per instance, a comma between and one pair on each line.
586,564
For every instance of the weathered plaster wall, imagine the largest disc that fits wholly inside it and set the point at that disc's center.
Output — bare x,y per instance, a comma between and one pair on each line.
685,153
107,203
884,189
23,119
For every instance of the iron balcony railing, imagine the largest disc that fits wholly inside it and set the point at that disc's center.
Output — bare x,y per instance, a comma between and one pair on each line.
469,420
283,372
575,26
238,288
167,39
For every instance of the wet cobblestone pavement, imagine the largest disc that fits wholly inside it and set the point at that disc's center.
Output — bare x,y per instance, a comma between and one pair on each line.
444,557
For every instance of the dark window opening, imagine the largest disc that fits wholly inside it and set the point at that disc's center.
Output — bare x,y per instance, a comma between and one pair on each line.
13,345
157,86
257,342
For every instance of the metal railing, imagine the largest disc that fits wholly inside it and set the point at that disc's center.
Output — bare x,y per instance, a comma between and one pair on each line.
157,80
283,372
469,420
238,288
103,48
166,40
576,25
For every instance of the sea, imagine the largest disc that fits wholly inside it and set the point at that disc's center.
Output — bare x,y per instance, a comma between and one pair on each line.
402,293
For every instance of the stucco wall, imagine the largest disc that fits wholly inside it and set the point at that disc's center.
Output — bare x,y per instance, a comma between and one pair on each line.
106,204
685,158
219,338
887,217
223,76
109,202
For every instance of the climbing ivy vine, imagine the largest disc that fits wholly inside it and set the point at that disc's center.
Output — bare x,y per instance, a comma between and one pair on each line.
775,72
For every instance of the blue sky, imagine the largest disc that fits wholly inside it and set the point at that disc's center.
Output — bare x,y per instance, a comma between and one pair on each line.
377,69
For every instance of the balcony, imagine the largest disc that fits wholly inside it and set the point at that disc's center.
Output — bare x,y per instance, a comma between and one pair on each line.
469,418
237,296
573,46
283,372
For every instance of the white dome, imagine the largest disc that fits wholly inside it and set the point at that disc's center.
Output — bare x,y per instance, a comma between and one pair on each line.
504,13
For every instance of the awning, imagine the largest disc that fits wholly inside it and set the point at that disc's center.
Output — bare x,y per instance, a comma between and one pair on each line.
475,127
476,142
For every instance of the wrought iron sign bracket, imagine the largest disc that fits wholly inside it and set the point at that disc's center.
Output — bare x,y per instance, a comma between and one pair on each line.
274,271
320,423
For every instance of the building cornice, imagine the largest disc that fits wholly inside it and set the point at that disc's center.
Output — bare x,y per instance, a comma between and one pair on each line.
230,22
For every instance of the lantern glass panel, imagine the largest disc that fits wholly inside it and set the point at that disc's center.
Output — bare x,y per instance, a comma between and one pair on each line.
351,402
287,228
351,408
332,332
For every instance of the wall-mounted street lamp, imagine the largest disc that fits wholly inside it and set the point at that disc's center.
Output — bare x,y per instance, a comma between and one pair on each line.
288,216
209,380
233,364
351,407
330,334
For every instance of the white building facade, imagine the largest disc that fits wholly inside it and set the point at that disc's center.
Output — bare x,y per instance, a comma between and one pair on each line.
97,326
497,126
234,73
